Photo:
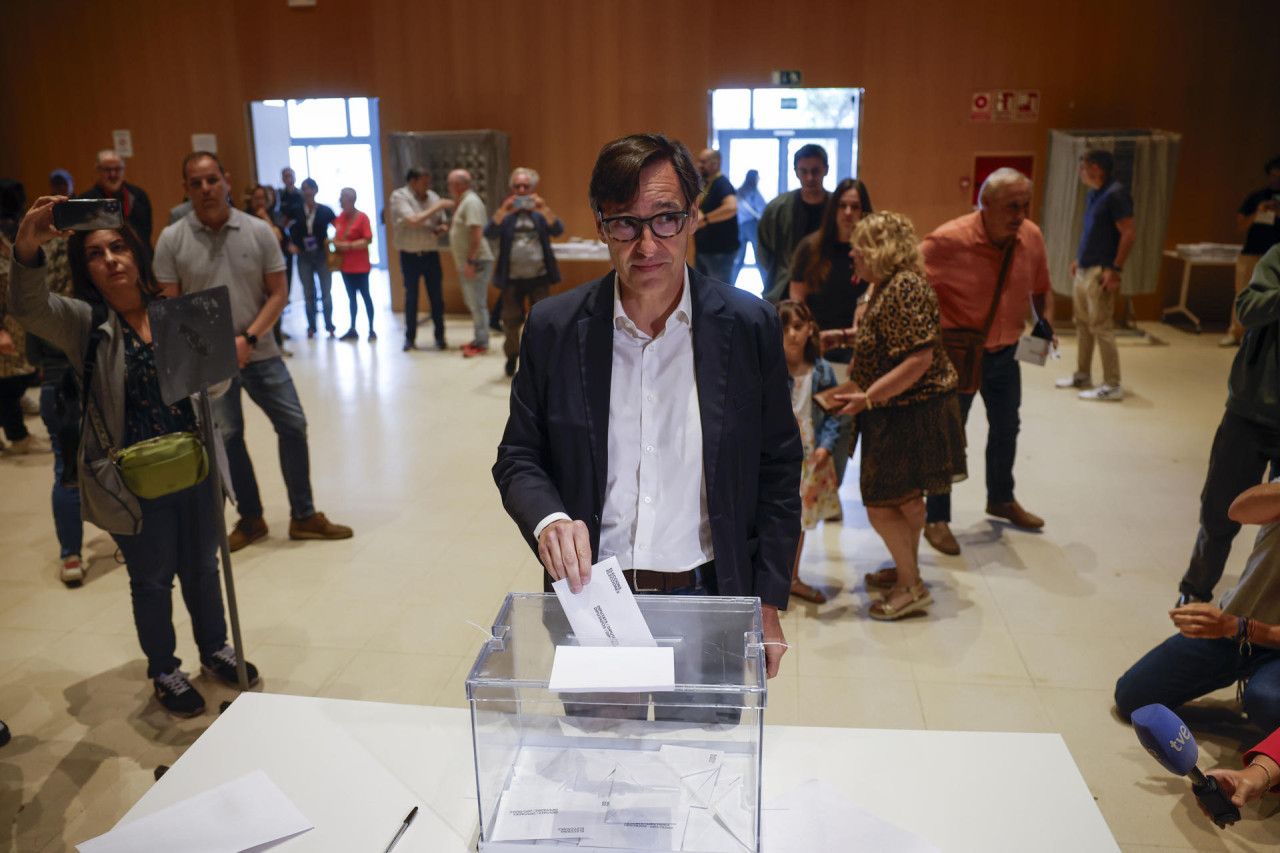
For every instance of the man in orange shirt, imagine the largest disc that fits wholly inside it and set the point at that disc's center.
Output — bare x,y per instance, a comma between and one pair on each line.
962,259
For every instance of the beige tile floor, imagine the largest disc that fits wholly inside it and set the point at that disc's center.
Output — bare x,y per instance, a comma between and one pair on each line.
1029,631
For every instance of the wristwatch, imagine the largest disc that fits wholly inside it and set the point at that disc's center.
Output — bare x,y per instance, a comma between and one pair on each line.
251,338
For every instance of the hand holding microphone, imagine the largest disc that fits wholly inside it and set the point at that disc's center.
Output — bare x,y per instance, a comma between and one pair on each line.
1170,742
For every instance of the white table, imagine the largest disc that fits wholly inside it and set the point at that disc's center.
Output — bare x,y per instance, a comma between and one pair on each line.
356,768
1189,263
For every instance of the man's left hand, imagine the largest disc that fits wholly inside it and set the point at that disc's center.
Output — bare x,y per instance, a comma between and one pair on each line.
1203,621
776,643
1110,281
7,346
243,348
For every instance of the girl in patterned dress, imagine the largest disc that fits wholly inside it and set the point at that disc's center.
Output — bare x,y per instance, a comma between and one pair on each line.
819,431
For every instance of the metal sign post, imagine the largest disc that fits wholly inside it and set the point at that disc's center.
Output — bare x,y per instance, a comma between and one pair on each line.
196,349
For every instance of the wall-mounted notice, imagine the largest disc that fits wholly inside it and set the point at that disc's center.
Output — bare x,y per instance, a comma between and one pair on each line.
204,142
1005,101
980,107
1027,105
122,142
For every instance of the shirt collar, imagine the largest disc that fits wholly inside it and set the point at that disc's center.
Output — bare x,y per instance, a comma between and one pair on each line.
682,314
232,221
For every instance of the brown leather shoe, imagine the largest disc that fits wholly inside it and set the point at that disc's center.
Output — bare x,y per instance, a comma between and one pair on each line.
246,532
318,527
1016,515
938,534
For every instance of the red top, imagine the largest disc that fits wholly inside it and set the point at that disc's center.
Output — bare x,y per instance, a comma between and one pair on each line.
963,266
1270,747
356,228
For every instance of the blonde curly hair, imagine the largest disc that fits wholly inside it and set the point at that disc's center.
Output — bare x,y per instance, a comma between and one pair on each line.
887,245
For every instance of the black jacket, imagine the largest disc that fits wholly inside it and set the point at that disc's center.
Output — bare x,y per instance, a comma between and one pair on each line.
554,453
137,207
319,227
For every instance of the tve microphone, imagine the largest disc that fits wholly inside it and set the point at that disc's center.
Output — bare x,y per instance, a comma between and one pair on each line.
1169,741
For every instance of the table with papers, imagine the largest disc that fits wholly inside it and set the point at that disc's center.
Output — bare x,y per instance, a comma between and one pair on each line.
1193,255
354,769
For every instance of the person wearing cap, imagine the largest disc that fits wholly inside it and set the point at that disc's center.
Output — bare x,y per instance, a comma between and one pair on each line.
134,201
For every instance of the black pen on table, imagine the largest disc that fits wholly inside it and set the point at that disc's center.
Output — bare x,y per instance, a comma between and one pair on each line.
408,820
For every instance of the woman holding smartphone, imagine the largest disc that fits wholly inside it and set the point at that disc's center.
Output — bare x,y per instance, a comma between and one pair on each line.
160,538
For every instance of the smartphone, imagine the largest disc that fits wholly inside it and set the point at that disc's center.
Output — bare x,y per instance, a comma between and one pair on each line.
522,202
87,214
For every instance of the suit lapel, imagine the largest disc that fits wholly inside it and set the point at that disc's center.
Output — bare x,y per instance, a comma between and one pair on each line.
595,357
712,339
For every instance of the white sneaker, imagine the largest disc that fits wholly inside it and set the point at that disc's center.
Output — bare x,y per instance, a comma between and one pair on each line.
1229,340
1105,393
1077,380
72,573
30,444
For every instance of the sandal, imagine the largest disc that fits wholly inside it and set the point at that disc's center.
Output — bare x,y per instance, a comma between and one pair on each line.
886,612
886,578
800,589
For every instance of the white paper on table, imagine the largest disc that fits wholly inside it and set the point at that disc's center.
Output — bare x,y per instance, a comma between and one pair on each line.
606,610
813,816
613,669
245,813
707,835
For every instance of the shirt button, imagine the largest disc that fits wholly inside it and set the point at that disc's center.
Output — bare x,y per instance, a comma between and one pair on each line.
650,398
648,500
642,546
649,449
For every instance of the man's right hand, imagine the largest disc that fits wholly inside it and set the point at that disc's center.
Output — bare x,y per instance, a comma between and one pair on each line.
565,549
1071,270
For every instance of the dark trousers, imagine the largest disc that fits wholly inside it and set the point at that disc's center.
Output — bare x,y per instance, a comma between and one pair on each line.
513,313
424,266
66,499
1184,668
11,416
179,538
357,284
271,387
1241,452
1002,397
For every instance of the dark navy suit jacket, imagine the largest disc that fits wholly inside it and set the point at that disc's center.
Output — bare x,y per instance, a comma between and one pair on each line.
554,453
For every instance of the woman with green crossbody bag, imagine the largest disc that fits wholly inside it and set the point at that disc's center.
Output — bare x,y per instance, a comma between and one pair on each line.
142,466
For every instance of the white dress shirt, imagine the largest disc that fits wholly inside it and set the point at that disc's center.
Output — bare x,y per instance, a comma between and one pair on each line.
414,238
655,502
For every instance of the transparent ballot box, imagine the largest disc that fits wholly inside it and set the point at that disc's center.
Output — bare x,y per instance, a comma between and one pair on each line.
668,771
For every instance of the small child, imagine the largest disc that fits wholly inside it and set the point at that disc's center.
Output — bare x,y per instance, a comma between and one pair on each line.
819,431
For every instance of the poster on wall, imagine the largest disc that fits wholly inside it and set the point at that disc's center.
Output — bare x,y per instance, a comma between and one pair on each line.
1026,106
980,107
204,142
122,142
985,164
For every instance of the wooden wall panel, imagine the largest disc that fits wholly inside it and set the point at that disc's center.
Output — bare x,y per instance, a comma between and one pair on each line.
564,76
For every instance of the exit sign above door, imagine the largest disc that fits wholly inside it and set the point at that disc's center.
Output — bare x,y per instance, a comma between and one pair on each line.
787,78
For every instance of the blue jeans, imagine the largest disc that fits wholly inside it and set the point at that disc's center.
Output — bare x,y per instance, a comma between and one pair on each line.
425,266
311,266
748,232
271,387
66,499
1184,668
1002,396
475,292
717,265
179,538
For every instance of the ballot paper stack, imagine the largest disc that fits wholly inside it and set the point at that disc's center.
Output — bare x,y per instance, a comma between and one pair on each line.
1209,252
620,723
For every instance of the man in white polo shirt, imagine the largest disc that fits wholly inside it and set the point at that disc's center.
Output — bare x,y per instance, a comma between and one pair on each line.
216,245
417,220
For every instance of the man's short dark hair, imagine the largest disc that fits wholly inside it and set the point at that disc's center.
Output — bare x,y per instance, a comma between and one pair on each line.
1102,159
200,155
616,176
808,151
1273,163
414,173
309,182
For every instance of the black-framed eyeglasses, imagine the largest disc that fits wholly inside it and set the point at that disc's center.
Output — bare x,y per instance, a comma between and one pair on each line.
624,229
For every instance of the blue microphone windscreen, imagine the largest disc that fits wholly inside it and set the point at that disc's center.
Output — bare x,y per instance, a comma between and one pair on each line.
1166,737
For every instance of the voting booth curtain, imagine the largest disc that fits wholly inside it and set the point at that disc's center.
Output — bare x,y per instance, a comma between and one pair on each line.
1146,162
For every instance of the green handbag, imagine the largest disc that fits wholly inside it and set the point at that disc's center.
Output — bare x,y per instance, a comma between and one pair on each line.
156,466
163,465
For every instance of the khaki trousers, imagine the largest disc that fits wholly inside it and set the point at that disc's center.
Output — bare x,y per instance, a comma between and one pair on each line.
1095,324
1244,274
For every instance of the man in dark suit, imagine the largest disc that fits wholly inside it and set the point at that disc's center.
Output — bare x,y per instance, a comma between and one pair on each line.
650,416
111,184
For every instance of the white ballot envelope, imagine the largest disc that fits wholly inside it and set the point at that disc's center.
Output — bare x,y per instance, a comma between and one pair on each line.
605,612
613,669
1033,350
